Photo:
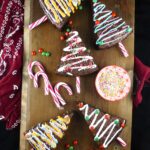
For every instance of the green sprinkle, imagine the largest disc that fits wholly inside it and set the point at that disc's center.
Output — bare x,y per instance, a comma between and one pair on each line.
129,29
96,139
71,148
43,53
94,1
87,118
97,111
100,43
68,29
80,7
116,121
48,54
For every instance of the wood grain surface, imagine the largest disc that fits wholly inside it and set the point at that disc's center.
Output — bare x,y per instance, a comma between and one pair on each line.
36,107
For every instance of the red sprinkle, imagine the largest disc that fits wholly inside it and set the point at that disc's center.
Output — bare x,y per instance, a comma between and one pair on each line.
92,128
80,105
97,22
70,22
67,33
33,53
75,142
114,14
40,50
123,125
101,147
62,38
107,116
67,145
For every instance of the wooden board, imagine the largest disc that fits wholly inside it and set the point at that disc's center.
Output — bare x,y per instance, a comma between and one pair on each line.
36,107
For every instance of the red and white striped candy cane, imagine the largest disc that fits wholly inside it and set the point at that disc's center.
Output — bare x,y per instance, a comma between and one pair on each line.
48,87
121,141
123,49
56,89
46,81
38,22
30,68
78,88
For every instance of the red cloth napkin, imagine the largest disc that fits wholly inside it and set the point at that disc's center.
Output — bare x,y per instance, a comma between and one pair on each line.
11,51
142,73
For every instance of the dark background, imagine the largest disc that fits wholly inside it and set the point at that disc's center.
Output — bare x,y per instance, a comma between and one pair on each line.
9,140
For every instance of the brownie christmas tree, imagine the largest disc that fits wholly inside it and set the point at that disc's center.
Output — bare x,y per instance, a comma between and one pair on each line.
104,127
76,60
59,11
109,28
46,136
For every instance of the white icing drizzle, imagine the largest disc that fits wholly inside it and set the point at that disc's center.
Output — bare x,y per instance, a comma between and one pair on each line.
100,124
109,27
42,137
74,53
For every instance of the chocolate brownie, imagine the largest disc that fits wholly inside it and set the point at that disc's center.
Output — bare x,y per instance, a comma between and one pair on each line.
76,60
104,127
47,135
109,28
59,11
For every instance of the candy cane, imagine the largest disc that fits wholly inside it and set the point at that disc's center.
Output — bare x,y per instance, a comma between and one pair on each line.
46,81
38,22
123,50
78,84
30,68
48,87
56,89
121,141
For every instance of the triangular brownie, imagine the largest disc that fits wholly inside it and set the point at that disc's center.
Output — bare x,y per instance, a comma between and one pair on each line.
59,11
76,60
109,28
104,127
46,136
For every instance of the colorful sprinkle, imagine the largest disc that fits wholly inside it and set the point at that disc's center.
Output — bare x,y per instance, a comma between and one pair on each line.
62,38
91,128
80,105
87,118
75,142
114,14
101,43
94,1
67,33
48,54
43,53
40,50
129,29
80,7
97,22
33,53
97,111
70,22
68,30
116,121
96,139
101,147
71,148
123,125
67,145
107,116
